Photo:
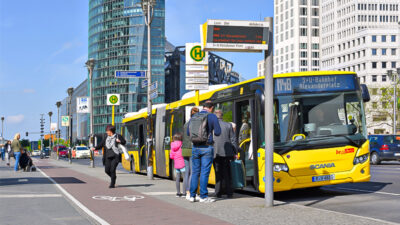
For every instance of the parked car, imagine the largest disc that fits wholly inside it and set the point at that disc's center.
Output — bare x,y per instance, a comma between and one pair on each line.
80,152
384,148
35,152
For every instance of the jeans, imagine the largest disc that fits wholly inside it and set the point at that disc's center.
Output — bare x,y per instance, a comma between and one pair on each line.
17,157
2,154
202,158
188,174
179,173
223,176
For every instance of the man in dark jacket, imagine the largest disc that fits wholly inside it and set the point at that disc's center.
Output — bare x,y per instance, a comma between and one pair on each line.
225,146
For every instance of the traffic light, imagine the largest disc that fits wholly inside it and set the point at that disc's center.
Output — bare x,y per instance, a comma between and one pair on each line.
26,134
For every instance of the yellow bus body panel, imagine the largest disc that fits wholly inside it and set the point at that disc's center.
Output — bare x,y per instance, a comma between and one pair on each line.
284,181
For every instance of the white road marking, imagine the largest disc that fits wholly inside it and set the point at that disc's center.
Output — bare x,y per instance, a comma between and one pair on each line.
367,191
31,196
159,193
22,180
129,198
75,201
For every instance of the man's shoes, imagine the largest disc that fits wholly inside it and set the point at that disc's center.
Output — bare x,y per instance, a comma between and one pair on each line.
187,196
207,200
192,199
111,186
178,195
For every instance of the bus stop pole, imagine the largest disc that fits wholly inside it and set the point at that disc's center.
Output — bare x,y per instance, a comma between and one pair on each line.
269,117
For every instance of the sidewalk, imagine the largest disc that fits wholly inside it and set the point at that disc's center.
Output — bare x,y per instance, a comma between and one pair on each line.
156,203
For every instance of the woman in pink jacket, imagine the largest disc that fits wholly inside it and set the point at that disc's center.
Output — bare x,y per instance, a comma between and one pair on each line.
179,163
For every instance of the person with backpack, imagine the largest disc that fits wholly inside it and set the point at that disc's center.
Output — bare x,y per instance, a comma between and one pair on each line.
187,155
202,127
179,163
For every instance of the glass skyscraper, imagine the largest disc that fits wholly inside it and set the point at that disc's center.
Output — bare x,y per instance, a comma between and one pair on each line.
118,41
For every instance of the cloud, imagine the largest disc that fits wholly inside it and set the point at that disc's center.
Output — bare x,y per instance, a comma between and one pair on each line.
81,59
65,47
29,91
15,119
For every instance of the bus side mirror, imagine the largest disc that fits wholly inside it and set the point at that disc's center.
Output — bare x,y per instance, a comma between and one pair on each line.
365,93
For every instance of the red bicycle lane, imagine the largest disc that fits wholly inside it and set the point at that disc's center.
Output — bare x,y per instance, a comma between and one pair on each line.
121,205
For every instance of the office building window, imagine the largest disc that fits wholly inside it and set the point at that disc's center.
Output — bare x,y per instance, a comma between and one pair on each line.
303,2
303,11
373,38
303,21
374,78
383,51
315,54
315,3
393,38
384,65
303,62
303,54
303,45
315,62
393,51
374,51
393,64
383,78
315,32
315,46
383,39
374,65
303,31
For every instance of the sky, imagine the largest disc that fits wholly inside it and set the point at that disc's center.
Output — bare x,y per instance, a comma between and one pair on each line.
43,49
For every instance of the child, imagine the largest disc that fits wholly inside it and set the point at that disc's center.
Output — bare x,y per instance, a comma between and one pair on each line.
179,163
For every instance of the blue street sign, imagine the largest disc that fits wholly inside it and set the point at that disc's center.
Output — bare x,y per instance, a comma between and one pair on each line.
145,83
130,74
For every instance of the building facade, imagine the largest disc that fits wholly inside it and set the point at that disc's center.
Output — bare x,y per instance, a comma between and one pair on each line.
364,37
296,35
80,122
118,41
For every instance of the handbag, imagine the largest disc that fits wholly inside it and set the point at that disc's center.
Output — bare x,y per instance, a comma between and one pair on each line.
238,175
122,149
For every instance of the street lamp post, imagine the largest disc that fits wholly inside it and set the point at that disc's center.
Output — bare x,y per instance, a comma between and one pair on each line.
70,91
90,67
148,9
58,104
393,77
2,125
51,137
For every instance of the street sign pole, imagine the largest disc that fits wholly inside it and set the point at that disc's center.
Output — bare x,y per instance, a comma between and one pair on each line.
113,115
269,117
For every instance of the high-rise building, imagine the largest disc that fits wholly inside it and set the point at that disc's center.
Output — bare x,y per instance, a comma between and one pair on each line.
297,35
364,37
118,41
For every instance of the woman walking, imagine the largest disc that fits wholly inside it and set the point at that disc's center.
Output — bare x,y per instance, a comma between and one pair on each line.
111,156
16,148
8,152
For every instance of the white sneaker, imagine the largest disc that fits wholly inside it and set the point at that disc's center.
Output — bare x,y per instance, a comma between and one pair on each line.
207,200
187,196
191,199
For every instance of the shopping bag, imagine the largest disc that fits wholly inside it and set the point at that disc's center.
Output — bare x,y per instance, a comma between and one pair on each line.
123,149
238,175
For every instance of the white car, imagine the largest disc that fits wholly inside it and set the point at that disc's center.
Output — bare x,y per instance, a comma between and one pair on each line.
35,153
80,152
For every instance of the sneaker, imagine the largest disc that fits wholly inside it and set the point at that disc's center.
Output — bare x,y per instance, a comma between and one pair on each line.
207,200
192,199
178,195
187,196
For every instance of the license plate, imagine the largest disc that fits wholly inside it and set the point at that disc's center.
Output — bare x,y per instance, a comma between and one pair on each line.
396,154
323,178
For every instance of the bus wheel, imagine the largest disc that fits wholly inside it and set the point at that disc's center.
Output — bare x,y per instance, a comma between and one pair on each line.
133,165
375,158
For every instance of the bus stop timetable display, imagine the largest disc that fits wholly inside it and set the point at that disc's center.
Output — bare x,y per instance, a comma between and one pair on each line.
232,35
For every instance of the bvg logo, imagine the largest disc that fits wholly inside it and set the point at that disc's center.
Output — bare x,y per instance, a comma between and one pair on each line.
197,54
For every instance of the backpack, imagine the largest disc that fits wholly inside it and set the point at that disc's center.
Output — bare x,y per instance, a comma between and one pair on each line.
198,128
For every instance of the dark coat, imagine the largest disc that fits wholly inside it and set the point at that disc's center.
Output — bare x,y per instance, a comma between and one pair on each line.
225,145
109,153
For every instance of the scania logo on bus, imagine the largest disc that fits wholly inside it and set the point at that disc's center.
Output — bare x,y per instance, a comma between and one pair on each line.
322,166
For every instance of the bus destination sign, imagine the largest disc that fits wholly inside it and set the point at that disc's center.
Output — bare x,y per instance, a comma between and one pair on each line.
294,85
232,35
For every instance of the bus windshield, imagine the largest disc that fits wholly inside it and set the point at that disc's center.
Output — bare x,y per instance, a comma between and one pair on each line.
301,119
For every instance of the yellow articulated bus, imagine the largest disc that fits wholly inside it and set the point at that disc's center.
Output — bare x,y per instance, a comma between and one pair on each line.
319,129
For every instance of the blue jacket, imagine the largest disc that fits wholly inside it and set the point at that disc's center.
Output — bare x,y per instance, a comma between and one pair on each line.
213,126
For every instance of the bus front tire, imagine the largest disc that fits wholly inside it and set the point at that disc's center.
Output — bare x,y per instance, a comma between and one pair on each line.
375,158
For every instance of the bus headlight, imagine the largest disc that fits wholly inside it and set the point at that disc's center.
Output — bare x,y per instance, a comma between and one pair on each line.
360,159
278,167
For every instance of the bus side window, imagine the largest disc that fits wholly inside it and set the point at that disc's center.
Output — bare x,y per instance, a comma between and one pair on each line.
178,123
227,110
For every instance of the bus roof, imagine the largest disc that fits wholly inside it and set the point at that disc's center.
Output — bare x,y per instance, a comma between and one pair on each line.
189,97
